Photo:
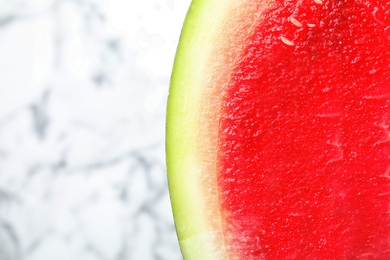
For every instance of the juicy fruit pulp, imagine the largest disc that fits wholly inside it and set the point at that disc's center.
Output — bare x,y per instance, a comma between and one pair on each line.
278,130
304,139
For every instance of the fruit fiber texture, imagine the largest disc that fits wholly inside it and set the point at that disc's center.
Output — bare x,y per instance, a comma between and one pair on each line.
278,130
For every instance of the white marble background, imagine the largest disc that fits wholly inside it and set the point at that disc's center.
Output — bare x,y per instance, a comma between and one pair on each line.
83,87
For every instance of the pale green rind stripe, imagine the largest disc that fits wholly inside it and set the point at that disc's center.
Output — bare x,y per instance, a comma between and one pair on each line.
201,25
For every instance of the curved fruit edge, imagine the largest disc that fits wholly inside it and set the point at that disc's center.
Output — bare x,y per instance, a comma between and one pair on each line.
212,38
197,237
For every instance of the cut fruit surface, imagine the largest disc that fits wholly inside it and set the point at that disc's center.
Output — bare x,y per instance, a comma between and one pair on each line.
278,130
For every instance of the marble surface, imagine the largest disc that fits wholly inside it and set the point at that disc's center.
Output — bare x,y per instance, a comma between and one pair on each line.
83,88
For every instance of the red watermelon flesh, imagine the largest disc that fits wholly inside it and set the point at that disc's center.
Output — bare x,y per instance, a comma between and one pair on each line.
304,139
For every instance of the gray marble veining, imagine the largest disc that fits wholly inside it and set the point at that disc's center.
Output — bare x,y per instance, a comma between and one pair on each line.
83,86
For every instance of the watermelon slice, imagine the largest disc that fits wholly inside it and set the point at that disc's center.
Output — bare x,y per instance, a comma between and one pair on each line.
278,130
